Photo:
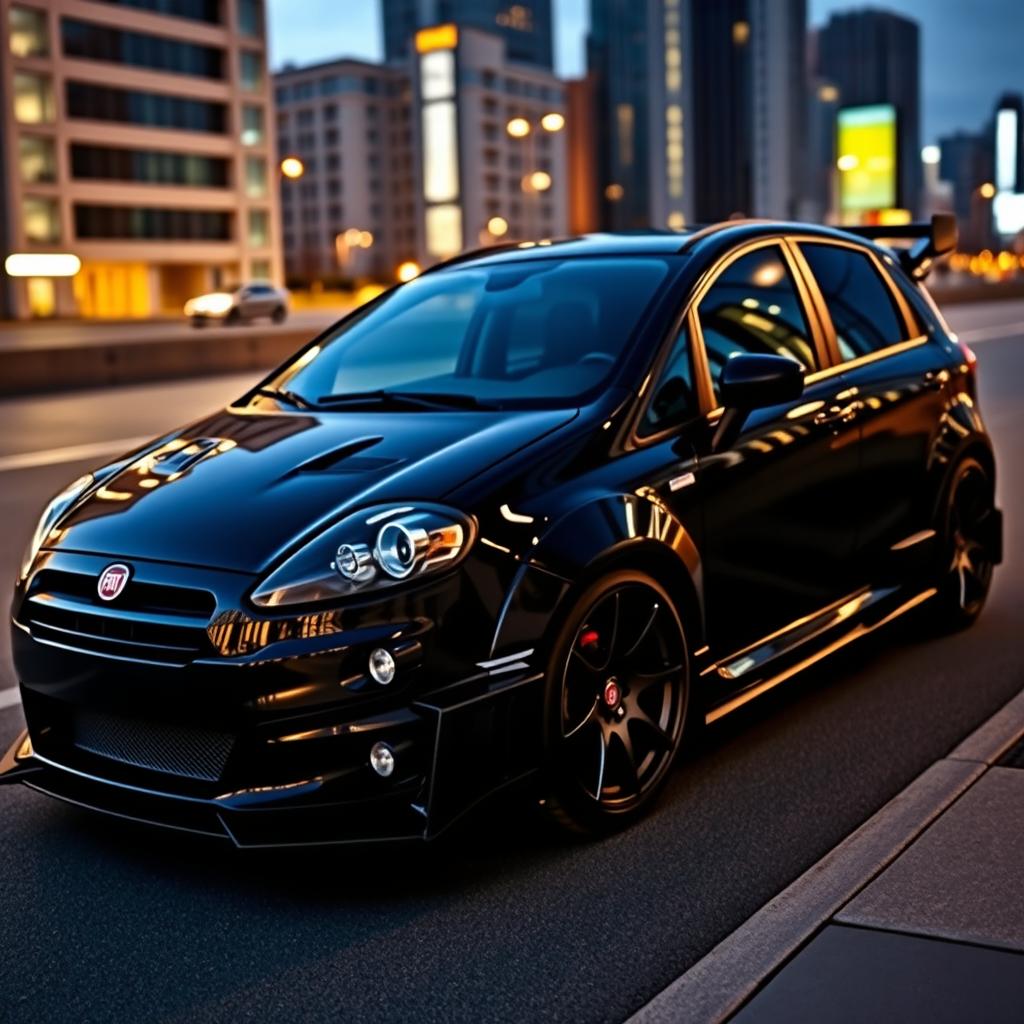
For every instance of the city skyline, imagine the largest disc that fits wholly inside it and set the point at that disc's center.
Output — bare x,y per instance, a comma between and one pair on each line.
982,51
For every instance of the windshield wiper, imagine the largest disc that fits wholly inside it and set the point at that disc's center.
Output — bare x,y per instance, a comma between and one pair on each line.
406,399
284,395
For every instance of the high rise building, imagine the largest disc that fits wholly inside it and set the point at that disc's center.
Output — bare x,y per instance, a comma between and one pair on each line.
700,108
526,27
410,168
873,57
637,62
137,138
351,213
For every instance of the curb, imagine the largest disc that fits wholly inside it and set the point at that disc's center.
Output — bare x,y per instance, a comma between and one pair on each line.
718,985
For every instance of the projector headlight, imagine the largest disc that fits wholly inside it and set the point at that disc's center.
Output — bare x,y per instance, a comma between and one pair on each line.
371,550
52,515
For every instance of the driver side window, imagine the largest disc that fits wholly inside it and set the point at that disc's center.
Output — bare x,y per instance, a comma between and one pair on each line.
754,306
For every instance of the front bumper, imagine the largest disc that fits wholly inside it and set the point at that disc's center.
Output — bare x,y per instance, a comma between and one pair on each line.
260,734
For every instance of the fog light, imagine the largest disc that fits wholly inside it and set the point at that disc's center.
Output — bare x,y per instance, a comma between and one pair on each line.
382,759
382,666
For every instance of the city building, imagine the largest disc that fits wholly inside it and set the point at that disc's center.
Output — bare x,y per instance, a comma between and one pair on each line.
526,27
350,213
965,162
397,166
635,59
873,57
700,107
138,140
490,143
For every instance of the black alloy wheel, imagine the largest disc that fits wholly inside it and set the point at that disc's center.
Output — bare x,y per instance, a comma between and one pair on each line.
617,702
966,570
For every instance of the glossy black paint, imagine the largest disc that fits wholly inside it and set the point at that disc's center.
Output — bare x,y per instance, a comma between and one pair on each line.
765,535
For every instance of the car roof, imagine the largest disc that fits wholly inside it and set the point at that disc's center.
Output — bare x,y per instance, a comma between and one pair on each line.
694,240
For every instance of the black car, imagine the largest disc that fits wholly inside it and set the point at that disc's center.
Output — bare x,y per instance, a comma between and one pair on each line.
519,521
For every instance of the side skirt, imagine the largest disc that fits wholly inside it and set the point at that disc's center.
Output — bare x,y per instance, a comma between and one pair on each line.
776,647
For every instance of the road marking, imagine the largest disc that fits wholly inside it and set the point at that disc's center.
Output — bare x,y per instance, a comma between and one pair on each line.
991,333
9,697
73,453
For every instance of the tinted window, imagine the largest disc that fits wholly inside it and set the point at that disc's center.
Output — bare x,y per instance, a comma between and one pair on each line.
673,395
753,306
861,306
539,332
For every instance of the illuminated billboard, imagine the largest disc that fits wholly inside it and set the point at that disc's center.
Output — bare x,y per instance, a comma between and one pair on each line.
866,146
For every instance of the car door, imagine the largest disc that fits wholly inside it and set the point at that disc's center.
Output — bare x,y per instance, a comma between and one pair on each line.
777,502
898,374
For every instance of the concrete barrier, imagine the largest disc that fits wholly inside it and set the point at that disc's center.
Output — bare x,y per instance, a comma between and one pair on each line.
195,354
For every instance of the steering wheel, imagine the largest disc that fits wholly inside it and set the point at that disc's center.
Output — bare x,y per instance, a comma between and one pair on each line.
598,357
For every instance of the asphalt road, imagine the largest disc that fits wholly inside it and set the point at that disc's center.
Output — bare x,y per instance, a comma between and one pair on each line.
106,921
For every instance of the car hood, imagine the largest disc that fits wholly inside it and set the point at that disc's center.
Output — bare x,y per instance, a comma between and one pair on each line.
236,490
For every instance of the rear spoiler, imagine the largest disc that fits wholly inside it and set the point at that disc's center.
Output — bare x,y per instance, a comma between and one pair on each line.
931,241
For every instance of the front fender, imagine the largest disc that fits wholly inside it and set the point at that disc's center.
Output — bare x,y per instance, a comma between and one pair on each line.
635,530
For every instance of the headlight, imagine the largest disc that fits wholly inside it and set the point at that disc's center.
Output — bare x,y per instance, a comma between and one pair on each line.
52,515
373,549
214,304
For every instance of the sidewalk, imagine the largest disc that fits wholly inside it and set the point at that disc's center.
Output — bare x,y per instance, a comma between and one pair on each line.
917,916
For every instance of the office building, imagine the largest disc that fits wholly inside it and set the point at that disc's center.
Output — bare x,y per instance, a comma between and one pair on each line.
642,85
137,138
491,153
873,57
411,169
351,212
525,27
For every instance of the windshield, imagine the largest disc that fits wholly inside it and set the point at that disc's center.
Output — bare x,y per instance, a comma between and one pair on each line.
536,332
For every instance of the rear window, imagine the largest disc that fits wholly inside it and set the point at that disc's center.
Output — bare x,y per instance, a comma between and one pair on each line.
861,305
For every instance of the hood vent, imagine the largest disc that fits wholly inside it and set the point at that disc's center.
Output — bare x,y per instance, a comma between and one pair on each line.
347,459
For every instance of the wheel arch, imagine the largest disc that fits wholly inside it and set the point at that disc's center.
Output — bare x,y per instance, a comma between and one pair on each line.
606,534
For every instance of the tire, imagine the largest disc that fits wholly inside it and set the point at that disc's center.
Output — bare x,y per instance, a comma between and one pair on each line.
233,318
964,574
618,686
199,321
279,315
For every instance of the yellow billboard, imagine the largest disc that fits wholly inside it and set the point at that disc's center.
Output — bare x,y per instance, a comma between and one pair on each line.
866,158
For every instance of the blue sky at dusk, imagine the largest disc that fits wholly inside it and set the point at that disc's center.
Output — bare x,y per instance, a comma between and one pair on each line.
972,51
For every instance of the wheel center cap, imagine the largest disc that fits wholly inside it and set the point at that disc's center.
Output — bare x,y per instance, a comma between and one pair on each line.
612,694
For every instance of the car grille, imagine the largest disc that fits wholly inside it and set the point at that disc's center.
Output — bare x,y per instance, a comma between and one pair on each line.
149,622
173,750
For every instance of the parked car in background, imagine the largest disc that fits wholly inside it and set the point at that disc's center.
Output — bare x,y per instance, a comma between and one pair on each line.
239,305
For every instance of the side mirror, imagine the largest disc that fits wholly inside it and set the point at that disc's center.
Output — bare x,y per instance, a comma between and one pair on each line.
750,381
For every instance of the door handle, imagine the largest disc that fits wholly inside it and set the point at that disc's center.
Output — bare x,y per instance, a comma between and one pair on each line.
836,415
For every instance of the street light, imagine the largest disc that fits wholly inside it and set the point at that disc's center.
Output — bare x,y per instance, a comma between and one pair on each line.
407,271
518,127
539,181
497,226
552,122
292,167
987,191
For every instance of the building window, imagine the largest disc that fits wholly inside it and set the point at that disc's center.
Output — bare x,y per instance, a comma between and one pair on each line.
250,70
29,34
33,98
194,10
259,229
260,270
158,167
255,177
156,110
444,230
252,126
37,158
135,222
136,49
250,17
331,112
40,219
